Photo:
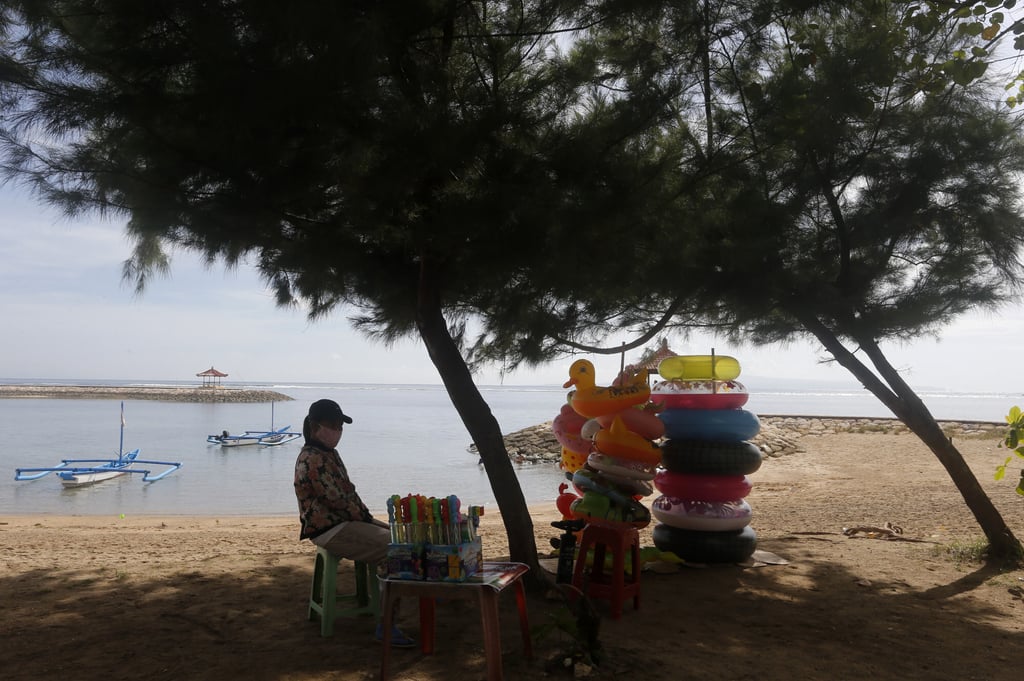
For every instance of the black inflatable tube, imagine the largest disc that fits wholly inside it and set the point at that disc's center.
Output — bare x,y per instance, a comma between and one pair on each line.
708,457
696,546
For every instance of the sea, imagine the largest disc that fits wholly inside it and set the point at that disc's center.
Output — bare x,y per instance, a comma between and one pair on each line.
403,439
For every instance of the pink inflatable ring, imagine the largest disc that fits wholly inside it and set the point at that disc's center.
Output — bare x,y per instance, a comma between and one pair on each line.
702,487
706,394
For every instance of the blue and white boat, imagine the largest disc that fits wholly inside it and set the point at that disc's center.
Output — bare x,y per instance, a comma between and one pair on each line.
267,438
81,472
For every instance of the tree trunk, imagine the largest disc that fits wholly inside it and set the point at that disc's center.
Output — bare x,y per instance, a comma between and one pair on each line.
483,429
904,403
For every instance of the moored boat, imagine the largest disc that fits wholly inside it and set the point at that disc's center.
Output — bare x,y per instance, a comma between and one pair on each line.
267,438
81,472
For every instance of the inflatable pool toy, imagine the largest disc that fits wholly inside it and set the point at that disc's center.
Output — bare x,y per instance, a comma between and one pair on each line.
631,486
699,367
697,546
707,457
627,477
622,443
624,468
708,516
630,375
702,487
592,400
564,502
587,479
598,509
728,425
641,419
572,461
566,427
590,428
705,394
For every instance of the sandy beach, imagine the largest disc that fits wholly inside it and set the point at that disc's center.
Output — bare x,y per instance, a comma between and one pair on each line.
178,597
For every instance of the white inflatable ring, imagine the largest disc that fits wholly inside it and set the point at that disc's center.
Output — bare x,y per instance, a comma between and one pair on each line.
706,516
622,468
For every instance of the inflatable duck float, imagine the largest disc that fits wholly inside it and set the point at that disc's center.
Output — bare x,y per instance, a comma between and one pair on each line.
592,400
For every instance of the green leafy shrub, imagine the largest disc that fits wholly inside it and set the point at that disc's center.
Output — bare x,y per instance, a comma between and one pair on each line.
1013,439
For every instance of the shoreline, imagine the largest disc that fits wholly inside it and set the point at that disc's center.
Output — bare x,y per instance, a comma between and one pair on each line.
165,394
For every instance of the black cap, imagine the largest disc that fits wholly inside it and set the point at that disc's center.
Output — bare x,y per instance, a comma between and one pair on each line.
327,411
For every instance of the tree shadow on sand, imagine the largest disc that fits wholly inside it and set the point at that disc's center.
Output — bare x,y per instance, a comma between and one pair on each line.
821,621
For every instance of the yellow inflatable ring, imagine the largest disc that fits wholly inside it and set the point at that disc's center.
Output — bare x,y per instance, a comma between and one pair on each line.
699,367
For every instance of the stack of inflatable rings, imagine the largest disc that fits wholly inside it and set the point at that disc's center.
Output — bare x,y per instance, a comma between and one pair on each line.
702,511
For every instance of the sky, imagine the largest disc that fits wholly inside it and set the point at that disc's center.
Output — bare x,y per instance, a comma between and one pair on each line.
67,314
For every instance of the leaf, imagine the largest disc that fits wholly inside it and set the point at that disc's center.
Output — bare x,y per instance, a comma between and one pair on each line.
1000,471
990,32
972,29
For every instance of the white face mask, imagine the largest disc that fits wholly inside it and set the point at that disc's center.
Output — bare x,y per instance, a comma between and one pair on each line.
328,436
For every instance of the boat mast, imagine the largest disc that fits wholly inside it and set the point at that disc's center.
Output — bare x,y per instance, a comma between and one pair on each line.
120,448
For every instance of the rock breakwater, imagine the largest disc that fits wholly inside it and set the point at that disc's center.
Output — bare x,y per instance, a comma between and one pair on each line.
166,394
779,435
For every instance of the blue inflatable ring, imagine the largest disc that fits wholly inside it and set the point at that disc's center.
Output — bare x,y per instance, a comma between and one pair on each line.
724,425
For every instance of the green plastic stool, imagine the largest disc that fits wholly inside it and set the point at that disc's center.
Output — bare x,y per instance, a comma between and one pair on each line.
324,597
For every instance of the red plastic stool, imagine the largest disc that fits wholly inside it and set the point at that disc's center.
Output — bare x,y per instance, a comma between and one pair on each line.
613,586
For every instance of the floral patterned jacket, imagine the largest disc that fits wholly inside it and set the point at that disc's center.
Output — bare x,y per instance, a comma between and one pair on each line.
324,491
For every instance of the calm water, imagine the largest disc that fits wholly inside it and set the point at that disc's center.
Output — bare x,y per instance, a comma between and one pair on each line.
404,439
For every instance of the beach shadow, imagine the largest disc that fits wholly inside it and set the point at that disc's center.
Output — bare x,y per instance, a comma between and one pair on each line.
807,620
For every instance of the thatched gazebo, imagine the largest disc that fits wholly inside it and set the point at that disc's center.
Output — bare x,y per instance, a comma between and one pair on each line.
211,377
650,359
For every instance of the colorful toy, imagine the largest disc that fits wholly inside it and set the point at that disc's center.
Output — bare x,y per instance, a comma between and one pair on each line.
622,443
564,501
572,461
642,420
566,427
592,400
623,468
598,508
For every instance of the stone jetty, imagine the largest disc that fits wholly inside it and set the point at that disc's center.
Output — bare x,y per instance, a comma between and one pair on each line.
779,435
129,392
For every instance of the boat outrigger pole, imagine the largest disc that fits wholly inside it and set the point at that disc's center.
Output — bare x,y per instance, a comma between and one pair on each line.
78,472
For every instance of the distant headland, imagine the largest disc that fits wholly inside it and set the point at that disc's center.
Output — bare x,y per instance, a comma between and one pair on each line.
130,392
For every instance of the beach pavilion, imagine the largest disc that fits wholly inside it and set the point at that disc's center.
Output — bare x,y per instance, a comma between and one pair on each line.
211,377
650,359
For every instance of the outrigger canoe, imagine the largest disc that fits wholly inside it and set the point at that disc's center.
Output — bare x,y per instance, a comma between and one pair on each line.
267,438
81,472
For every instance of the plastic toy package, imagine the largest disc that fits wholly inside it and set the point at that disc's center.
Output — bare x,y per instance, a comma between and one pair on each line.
433,539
